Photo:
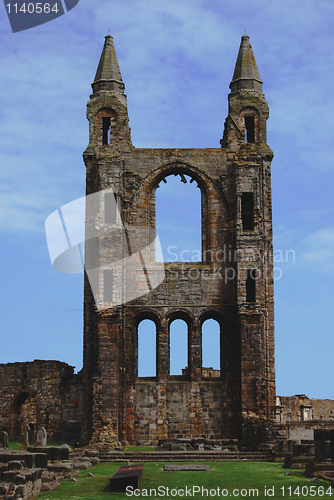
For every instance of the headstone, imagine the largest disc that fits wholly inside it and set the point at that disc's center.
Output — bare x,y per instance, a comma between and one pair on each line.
41,439
26,429
66,446
4,439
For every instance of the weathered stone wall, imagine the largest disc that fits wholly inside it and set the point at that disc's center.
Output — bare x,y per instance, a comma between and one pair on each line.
118,405
300,415
301,408
179,410
41,393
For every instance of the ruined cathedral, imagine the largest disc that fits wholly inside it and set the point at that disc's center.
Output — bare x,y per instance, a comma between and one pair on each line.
232,284
235,184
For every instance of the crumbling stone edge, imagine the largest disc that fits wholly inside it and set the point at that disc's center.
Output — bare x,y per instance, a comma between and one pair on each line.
20,479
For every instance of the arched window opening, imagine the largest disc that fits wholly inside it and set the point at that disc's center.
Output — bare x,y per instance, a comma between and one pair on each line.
106,126
105,123
250,123
249,129
147,348
210,349
178,342
178,219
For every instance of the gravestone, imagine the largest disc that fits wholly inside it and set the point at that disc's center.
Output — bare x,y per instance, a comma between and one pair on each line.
4,439
41,439
26,430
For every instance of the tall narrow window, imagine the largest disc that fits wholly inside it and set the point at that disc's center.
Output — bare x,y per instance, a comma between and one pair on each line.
249,129
147,348
250,285
106,126
178,219
110,208
210,349
178,335
247,211
108,278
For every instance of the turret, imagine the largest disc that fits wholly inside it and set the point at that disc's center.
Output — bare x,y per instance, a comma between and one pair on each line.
107,108
248,109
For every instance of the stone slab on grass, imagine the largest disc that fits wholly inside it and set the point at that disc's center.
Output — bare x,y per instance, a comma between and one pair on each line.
187,467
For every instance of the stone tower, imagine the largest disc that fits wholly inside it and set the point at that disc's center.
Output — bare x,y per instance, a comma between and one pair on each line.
233,285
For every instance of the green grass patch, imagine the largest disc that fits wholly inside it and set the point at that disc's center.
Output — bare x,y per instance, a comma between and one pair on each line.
17,445
234,479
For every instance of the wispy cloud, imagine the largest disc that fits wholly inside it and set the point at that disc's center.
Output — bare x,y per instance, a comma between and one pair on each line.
319,249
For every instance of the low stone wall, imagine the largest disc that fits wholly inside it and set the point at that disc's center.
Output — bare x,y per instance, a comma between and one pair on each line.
23,475
301,431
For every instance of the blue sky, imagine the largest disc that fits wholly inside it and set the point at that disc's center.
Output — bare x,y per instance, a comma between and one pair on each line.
177,59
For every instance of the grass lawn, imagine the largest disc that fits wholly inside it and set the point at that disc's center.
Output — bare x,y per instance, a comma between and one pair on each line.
234,479
17,445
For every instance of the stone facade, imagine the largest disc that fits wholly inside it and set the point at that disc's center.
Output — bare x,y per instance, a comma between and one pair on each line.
233,283
41,394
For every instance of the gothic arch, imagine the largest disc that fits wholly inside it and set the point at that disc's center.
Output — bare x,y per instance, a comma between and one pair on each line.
156,319
145,194
183,314
211,314
217,316
211,348
20,413
149,314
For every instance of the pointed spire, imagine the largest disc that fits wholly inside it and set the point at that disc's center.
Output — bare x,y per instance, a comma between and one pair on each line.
108,75
246,75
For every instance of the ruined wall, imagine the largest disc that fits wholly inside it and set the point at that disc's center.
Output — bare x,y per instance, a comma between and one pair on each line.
236,242
190,291
301,408
41,393
300,415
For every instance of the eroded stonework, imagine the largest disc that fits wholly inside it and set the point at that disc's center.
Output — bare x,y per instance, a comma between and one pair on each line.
41,394
236,216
